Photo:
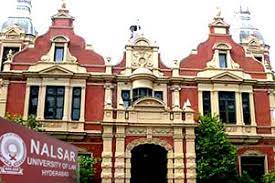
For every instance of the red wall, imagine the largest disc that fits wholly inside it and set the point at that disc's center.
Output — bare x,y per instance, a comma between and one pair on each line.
16,98
191,93
94,103
262,108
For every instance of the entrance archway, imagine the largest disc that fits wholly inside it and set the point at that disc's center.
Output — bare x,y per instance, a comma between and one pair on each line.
149,164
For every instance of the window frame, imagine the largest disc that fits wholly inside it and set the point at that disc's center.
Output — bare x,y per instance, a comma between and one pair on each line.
253,156
73,108
225,60
31,97
55,96
126,102
57,47
137,93
5,55
205,102
246,111
227,102
158,92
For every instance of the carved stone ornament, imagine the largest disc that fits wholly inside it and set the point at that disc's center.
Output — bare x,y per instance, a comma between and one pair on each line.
142,141
142,58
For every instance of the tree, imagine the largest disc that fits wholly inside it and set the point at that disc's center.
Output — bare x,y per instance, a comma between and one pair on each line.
86,168
30,122
216,156
269,177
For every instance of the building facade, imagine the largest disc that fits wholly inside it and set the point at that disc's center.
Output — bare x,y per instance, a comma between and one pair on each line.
139,116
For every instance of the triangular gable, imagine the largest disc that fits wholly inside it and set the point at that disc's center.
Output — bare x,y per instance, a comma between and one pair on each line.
56,70
227,76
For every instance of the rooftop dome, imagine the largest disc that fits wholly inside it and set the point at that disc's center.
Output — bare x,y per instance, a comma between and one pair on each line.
24,23
22,18
245,27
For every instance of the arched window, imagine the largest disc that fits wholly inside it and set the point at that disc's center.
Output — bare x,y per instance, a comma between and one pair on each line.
60,44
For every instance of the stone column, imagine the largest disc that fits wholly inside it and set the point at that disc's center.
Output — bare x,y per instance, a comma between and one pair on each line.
41,102
120,155
214,103
190,155
200,102
106,164
176,97
26,104
128,167
3,97
108,95
239,109
67,105
170,166
178,156
252,109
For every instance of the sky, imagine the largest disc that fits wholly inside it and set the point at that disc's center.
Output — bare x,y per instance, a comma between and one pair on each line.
177,26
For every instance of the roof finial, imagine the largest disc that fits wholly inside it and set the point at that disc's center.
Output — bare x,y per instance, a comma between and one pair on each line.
64,4
219,11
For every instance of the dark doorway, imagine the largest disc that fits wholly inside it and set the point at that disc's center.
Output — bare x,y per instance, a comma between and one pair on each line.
254,166
149,164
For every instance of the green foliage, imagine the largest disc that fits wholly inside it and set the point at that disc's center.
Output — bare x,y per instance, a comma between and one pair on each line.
30,122
269,177
86,168
216,156
245,178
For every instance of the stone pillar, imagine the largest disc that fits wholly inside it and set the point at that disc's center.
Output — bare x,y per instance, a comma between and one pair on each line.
239,109
120,155
214,103
200,102
41,102
26,104
3,96
190,155
176,97
170,166
67,105
178,156
252,109
175,69
106,164
108,95
128,167
82,109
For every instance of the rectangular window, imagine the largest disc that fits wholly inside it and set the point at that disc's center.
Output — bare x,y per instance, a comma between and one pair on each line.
54,102
254,166
141,92
33,100
5,53
125,94
223,60
158,95
58,54
246,108
206,98
76,103
227,107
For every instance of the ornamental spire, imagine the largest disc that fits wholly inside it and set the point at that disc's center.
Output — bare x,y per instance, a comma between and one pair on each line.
24,8
64,4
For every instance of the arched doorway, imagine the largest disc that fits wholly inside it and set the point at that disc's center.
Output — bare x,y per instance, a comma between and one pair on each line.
149,164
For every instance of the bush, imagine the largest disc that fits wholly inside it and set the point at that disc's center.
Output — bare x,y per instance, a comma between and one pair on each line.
30,122
86,168
269,177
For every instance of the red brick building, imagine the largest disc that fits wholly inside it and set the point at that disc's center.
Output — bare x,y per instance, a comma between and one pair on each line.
139,116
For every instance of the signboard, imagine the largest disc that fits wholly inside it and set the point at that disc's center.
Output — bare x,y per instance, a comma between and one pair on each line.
28,156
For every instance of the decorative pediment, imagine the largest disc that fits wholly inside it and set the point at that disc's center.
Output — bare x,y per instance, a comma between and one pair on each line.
227,76
56,70
149,102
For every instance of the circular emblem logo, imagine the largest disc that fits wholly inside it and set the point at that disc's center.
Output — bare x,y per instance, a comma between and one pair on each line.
12,150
